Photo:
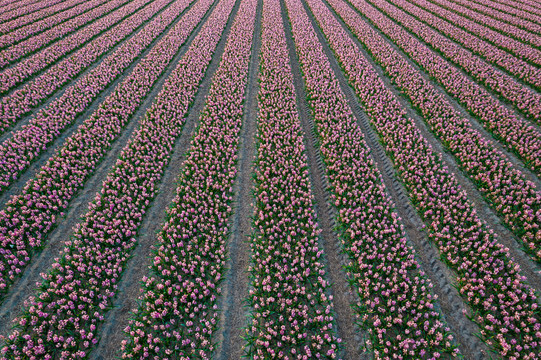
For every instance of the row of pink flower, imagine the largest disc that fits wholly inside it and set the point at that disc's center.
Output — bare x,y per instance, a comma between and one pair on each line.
26,145
57,25
528,21
495,24
519,8
11,5
291,310
516,200
178,314
518,135
63,320
396,306
26,68
19,49
48,8
519,49
524,99
510,6
29,216
503,305
492,54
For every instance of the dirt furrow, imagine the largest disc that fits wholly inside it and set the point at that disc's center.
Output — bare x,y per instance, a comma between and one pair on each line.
449,300
529,175
12,305
58,93
116,320
233,319
334,260
34,168
530,269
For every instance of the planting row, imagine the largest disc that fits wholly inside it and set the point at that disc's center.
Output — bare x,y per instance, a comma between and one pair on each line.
25,69
513,65
291,310
510,18
523,9
511,45
503,305
31,215
80,15
524,99
516,200
63,319
11,5
497,25
178,314
396,306
517,135
37,42
48,9
32,139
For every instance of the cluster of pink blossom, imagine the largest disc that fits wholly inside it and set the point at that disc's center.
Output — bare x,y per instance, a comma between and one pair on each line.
112,33
291,311
21,49
516,47
396,306
528,25
503,305
516,200
518,135
523,9
502,27
513,65
29,216
63,319
32,139
78,16
178,314
11,5
22,17
524,99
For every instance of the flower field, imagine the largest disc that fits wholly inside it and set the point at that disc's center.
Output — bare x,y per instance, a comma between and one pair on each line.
270,179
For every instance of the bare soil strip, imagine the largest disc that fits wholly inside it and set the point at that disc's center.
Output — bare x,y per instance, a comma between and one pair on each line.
450,302
34,168
343,296
233,319
529,268
116,320
25,286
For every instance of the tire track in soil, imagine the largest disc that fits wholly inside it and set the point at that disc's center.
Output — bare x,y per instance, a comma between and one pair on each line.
449,302
529,268
25,285
127,298
36,165
58,93
520,114
234,316
472,119
334,259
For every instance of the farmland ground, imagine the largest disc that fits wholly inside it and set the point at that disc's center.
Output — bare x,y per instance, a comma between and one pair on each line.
354,300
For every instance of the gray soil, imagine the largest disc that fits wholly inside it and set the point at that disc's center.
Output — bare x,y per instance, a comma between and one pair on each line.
116,320
234,312
68,131
24,287
529,268
442,278
334,260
